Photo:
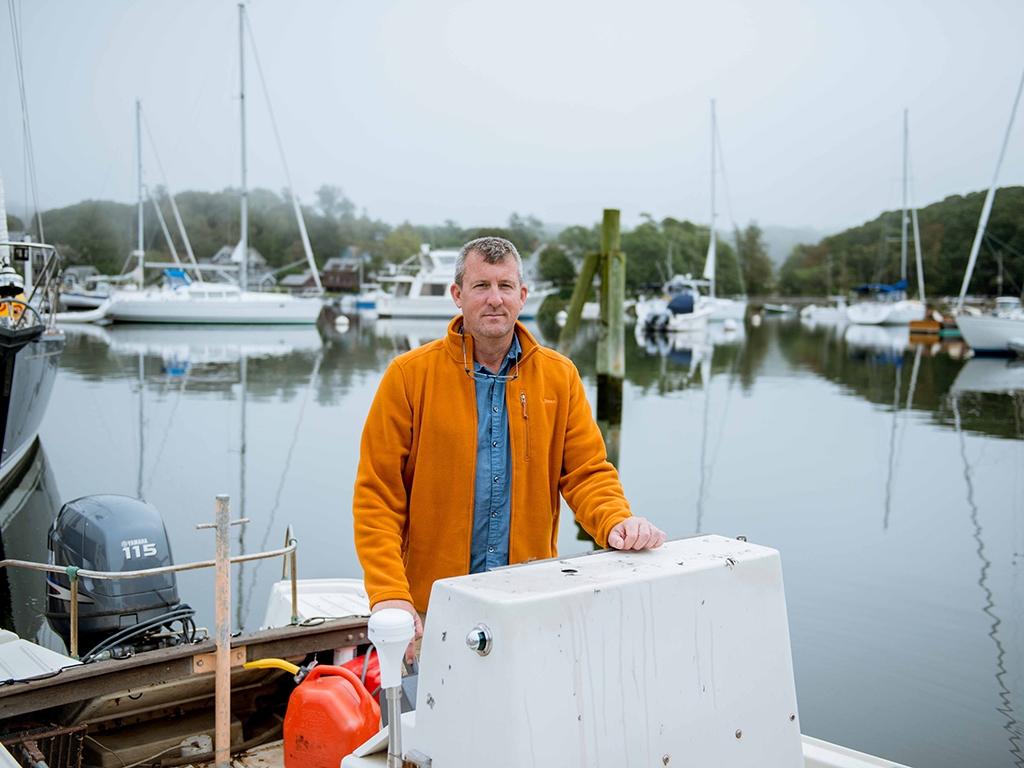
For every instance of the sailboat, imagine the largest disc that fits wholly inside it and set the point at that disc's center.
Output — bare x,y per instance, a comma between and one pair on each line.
721,308
181,300
889,304
1002,331
689,309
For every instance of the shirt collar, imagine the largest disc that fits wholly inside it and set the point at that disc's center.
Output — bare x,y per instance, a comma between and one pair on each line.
510,359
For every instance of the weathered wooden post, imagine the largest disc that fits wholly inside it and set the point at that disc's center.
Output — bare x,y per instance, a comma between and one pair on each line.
610,263
611,338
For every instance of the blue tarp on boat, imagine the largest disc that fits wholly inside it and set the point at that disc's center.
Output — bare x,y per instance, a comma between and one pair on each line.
881,287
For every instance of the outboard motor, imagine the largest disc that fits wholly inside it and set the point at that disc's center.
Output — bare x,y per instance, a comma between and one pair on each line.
116,617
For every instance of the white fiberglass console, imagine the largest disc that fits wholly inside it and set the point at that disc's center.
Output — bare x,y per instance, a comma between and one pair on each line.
675,656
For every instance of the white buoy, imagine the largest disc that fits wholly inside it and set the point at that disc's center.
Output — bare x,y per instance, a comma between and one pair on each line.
561,318
341,322
729,325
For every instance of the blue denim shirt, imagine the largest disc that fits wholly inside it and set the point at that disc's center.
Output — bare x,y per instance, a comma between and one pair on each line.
492,503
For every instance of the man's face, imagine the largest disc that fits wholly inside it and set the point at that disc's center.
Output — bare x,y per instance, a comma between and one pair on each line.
491,296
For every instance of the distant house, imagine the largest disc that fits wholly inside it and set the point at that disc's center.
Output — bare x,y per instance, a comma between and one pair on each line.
298,283
341,273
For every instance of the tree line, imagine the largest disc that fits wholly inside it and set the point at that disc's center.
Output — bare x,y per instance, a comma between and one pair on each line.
103,234
870,253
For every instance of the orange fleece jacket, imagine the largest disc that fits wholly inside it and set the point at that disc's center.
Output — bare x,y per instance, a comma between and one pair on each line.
413,502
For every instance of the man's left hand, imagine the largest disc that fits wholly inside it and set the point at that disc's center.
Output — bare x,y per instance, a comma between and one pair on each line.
635,533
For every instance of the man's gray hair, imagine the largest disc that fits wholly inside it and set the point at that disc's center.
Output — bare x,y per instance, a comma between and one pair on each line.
495,250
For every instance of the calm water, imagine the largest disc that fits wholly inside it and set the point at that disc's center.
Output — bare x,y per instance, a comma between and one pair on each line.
890,477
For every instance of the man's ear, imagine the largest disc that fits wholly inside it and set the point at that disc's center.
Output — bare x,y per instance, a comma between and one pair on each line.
456,294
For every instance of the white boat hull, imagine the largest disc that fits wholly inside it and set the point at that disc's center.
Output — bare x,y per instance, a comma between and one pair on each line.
82,300
990,334
885,312
727,309
690,322
248,309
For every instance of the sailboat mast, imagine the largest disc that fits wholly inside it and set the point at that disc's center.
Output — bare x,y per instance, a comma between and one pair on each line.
711,246
987,207
903,221
244,242
139,252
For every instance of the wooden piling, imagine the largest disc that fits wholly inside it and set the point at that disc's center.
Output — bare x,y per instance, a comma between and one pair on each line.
611,340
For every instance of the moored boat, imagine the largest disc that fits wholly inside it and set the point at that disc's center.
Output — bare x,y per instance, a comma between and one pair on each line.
421,288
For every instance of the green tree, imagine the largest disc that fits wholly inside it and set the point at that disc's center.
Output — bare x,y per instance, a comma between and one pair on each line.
579,241
529,231
754,261
554,265
400,244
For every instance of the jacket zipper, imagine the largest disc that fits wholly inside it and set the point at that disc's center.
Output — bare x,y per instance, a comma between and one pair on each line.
526,423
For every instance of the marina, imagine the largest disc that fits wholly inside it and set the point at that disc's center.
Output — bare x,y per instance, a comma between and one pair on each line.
798,538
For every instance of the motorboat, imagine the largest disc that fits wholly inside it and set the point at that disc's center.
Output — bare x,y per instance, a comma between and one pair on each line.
85,288
421,288
685,312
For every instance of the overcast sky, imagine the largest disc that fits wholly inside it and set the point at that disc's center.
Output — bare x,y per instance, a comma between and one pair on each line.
427,111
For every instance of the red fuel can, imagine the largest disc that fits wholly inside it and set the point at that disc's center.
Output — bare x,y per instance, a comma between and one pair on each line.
329,714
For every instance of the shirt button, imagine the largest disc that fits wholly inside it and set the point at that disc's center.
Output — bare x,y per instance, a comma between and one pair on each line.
494,514
490,549
496,479
495,409
495,443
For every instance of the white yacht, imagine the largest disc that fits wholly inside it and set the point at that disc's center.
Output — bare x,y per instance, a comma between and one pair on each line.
421,287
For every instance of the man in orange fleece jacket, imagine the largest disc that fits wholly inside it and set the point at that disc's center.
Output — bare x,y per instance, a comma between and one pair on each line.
436,497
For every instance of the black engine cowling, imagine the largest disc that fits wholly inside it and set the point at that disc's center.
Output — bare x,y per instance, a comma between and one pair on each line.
109,533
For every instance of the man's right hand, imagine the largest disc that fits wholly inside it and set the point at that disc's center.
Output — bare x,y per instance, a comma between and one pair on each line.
405,605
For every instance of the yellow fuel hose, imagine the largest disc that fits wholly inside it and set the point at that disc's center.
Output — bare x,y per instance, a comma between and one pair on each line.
287,666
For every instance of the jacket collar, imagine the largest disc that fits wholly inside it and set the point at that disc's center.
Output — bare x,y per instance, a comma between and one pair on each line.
453,341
